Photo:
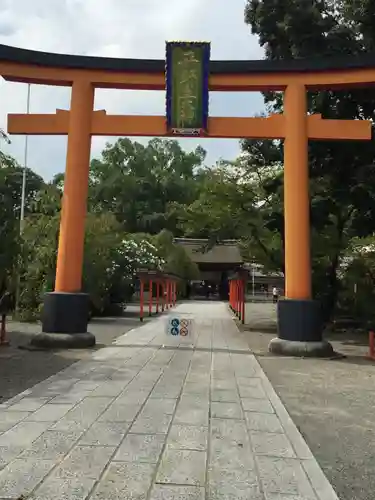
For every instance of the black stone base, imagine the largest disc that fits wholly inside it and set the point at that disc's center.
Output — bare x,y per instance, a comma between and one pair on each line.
300,329
64,321
63,340
299,349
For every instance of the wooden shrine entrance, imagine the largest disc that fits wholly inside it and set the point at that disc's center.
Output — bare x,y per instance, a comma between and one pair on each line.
299,317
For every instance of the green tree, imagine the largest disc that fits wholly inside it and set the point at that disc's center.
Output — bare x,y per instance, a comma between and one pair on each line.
10,200
357,278
342,173
238,202
175,258
138,183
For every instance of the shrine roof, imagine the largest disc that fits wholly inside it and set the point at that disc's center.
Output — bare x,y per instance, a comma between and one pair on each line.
225,252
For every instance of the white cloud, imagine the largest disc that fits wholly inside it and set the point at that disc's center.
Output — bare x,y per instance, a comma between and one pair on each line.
118,28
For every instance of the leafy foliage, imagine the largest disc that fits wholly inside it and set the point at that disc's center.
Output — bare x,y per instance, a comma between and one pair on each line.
138,183
112,254
342,173
10,201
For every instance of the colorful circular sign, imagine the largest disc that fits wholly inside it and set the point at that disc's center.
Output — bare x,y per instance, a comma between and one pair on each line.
179,326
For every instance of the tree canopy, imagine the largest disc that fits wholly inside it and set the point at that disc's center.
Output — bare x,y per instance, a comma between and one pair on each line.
342,174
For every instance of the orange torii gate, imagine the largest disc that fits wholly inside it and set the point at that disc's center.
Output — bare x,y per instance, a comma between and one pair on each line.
300,326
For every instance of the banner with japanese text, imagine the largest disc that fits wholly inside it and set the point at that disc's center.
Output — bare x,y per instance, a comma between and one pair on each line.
187,73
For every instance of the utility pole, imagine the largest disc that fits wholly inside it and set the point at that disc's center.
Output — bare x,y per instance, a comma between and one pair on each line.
23,201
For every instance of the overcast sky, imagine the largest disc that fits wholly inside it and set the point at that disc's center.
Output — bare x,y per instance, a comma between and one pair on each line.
120,28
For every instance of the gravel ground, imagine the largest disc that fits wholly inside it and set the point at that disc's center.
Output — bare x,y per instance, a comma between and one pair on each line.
331,402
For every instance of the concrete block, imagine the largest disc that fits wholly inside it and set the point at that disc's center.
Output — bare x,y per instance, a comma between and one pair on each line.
85,462
50,413
149,425
52,445
105,434
226,410
182,467
166,492
257,405
140,448
125,481
23,434
272,444
21,476
186,437
284,476
68,488
263,422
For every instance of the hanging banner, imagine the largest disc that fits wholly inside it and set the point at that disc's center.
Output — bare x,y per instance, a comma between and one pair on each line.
187,72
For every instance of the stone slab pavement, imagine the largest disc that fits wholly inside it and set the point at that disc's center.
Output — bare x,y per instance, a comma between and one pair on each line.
21,369
158,418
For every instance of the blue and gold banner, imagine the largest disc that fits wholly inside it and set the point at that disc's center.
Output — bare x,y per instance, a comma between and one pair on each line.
187,72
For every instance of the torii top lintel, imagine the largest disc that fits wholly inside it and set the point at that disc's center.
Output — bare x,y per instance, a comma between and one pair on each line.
21,65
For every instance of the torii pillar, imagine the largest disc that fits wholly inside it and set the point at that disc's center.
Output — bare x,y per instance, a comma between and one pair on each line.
300,324
66,310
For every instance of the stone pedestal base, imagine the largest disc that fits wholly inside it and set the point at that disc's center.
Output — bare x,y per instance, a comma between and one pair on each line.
321,349
300,328
64,322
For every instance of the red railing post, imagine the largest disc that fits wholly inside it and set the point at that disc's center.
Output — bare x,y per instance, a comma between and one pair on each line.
150,298
243,301
141,299
239,299
162,283
157,296
235,296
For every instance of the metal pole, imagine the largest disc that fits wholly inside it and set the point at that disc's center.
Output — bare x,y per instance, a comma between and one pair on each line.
23,202
23,195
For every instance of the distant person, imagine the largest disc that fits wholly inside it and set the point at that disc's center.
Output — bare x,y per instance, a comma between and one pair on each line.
275,295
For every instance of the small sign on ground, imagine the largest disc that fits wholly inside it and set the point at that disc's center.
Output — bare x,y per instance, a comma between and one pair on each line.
179,327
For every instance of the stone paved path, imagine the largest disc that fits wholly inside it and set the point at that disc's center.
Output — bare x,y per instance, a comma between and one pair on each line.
152,418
